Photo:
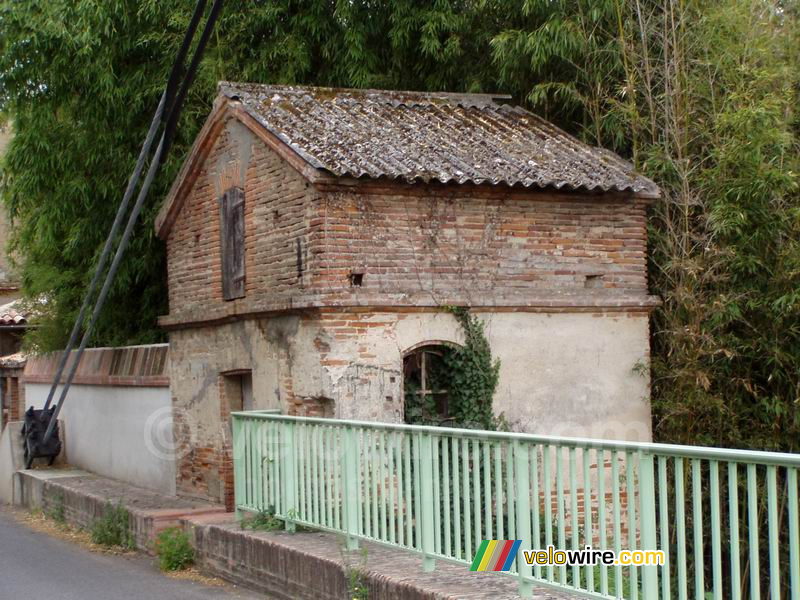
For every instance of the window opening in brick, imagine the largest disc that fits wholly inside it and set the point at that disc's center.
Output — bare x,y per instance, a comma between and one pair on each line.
356,279
426,384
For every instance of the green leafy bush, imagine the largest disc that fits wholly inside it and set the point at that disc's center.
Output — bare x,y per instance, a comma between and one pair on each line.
173,549
113,528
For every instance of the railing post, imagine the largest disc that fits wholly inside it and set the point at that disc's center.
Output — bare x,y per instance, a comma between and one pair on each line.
351,489
647,496
238,466
426,507
289,445
523,516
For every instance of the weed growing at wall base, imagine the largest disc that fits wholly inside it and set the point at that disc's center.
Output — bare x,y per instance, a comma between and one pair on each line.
113,528
173,549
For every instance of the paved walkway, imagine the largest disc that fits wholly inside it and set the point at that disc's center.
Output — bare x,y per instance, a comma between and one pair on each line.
35,565
274,563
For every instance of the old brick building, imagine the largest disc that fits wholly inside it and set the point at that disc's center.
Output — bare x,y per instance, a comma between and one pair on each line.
314,235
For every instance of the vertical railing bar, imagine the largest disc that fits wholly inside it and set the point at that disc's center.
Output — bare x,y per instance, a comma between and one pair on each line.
446,483
366,456
437,507
465,493
290,482
301,480
547,457
633,529
476,492
409,500
401,498
510,501
327,437
588,529
521,463
315,473
752,530
279,464
733,524
498,489
309,471
360,483
697,520
428,507
392,483
647,519
574,520
794,534
772,524
335,455
321,472
716,526
487,490
537,525
562,542
617,518
251,491
382,485
374,474
269,463
257,473
663,513
680,529
454,454
600,457
415,440
351,489
311,491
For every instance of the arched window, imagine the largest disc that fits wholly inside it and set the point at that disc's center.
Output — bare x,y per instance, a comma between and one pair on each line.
426,385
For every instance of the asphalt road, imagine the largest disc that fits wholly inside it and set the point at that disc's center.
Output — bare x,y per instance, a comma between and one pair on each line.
35,565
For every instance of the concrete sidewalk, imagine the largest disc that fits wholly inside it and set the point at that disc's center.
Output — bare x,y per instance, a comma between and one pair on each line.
287,566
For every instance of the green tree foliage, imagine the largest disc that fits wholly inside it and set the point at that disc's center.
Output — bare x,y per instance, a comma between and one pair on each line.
702,96
82,79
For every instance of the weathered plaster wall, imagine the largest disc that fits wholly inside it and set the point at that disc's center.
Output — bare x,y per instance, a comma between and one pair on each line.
561,373
119,432
117,417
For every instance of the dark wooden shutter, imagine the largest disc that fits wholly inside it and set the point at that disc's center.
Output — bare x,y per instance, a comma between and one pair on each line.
232,240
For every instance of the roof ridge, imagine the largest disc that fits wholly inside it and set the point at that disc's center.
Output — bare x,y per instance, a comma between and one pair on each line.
391,97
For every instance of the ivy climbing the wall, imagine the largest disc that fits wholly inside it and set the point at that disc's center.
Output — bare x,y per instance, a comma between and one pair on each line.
474,374
454,385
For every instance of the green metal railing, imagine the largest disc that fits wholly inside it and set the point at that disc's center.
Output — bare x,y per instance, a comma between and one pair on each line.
727,520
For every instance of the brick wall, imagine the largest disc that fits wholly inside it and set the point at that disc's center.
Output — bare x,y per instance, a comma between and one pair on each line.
396,244
479,248
276,203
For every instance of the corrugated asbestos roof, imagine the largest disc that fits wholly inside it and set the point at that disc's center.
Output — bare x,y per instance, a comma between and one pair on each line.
416,136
